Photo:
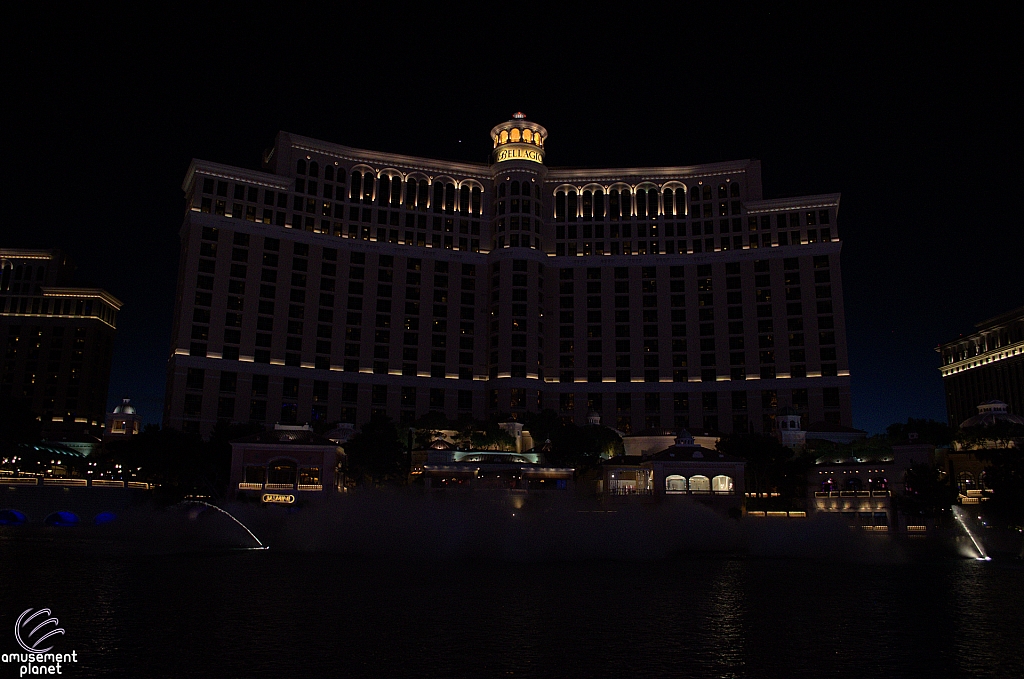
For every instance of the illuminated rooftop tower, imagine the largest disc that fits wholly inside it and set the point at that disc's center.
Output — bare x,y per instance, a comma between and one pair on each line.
519,139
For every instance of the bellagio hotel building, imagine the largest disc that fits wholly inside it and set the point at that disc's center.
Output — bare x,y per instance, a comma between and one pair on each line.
337,283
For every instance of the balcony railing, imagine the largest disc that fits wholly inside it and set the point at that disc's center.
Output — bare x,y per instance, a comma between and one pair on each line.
65,482
20,481
72,483
628,491
851,493
700,492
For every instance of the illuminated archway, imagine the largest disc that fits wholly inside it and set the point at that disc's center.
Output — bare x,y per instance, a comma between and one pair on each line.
722,484
700,484
675,484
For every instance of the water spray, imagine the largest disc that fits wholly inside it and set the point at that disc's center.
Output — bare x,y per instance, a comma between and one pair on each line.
958,512
244,527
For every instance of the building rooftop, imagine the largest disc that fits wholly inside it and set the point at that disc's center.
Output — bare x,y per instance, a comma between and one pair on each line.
678,453
284,435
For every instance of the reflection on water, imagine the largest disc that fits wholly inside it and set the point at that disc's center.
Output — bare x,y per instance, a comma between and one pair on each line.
979,617
725,620
273,614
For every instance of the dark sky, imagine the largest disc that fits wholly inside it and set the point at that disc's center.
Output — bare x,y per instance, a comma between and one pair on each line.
908,115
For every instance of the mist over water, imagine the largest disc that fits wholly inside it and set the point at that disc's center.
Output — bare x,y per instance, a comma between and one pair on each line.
419,527
399,585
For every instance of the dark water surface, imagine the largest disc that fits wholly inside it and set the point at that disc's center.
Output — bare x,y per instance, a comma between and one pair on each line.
277,614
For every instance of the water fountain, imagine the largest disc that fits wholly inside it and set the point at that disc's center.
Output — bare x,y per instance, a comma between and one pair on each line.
230,516
962,518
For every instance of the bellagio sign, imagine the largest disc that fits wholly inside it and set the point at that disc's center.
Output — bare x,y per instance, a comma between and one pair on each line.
520,152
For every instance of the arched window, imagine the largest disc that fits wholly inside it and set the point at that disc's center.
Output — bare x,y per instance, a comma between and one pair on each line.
964,482
722,484
599,204
356,188
281,473
641,204
329,173
669,195
422,193
300,166
588,205
449,198
700,484
560,206
438,203
341,175
722,192
613,204
734,190
464,199
528,135
514,189
675,484
396,191
501,190
571,205
314,169
368,188
410,194
503,137
625,205
477,197
384,192
515,136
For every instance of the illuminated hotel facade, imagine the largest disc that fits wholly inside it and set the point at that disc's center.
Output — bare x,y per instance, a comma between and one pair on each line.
58,341
338,283
983,366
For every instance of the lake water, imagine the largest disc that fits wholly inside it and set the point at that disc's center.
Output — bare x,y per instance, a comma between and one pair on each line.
391,611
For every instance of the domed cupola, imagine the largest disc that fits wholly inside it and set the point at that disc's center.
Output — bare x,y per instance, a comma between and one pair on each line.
519,140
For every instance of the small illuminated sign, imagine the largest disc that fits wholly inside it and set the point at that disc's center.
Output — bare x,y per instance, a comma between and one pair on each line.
520,152
278,499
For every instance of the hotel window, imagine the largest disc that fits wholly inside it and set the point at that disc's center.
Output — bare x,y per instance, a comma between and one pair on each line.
194,378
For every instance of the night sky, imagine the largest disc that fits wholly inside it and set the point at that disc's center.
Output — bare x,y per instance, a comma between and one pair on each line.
909,116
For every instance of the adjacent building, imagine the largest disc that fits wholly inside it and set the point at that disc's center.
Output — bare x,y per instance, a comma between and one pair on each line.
984,366
285,464
123,423
683,469
58,341
337,283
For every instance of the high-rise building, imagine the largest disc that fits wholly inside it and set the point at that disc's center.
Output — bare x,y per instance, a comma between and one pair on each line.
984,366
337,283
58,341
